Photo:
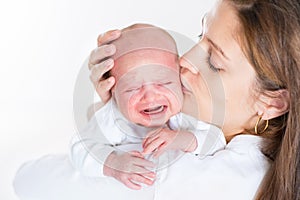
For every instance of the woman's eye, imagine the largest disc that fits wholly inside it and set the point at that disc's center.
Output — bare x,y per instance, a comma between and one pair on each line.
211,66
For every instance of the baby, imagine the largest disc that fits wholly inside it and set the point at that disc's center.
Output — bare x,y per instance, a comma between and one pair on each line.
143,117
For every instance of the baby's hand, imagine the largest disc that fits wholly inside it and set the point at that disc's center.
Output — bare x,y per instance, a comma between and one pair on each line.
130,169
161,140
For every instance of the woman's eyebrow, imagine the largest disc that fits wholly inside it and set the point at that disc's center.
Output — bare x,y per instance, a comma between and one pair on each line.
217,47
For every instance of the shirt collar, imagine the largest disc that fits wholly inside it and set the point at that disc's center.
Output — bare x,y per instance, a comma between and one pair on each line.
244,142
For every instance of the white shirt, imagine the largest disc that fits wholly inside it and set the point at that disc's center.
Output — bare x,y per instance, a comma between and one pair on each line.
233,173
110,131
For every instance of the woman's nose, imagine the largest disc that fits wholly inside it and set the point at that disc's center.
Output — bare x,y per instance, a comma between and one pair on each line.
185,63
195,57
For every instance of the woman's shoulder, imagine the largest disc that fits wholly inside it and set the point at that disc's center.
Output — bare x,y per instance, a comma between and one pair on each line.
237,170
248,147
244,153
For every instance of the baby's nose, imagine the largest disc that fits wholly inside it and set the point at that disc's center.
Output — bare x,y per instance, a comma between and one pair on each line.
150,92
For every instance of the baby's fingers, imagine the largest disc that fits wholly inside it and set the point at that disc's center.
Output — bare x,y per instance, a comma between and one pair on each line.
153,145
151,136
141,179
142,171
160,150
136,154
148,141
129,183
143,163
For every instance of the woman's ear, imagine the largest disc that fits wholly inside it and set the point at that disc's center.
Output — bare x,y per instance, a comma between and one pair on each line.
276,103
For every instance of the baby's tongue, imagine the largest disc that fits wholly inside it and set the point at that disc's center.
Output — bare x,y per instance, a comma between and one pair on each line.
154,110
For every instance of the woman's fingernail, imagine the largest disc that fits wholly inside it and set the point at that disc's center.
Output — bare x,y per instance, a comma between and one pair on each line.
110,49
115,33
109,62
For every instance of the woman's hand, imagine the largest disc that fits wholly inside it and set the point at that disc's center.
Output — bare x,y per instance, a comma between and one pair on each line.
130,169
100,63
164,139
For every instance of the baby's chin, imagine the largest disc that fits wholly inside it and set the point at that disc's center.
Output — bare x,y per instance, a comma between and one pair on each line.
152,121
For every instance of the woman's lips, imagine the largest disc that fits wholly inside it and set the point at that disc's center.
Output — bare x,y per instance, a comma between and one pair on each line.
184,89
184,84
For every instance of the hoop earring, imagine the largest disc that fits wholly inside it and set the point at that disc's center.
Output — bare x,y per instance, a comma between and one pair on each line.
256,125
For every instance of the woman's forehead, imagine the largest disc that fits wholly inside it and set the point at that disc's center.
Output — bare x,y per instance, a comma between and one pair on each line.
221,29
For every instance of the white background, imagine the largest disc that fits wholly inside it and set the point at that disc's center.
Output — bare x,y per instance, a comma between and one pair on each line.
43,44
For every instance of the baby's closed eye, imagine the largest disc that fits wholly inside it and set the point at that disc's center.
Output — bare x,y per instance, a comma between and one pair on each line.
165,83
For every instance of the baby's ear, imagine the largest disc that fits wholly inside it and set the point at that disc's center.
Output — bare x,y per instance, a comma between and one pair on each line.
276,103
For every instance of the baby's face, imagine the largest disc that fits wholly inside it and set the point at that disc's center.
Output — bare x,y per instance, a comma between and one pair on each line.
148,89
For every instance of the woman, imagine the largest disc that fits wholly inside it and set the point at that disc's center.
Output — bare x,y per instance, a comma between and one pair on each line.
253,47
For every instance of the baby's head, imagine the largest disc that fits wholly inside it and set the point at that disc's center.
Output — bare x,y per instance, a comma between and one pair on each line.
148,88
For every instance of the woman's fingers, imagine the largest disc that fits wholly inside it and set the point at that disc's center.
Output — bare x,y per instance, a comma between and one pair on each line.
108,37
98,70
103,88
100,53
100,63
104,49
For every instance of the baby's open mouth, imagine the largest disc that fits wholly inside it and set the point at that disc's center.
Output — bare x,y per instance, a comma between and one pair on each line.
154,110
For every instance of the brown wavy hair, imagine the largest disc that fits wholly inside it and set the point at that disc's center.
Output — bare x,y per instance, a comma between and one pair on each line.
269,34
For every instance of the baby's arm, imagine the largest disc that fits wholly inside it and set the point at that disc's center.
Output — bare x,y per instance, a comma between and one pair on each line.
89,150
130,169
193,136
165,139
94,156
210,139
